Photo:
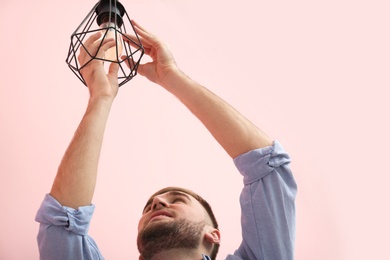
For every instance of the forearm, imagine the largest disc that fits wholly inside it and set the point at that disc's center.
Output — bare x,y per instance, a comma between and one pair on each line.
75,182
233,131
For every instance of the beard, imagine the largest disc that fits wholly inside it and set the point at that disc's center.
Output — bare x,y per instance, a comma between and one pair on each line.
179,234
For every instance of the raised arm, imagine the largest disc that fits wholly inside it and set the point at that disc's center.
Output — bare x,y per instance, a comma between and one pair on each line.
234,132
75,182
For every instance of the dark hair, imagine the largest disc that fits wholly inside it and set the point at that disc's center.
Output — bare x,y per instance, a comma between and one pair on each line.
202,201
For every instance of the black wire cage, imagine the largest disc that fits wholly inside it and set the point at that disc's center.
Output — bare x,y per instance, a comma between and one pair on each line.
111,18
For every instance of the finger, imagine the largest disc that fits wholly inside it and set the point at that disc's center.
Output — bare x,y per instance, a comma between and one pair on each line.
133,40
102,47
113,69
96,50
129,62
85,48
93,38
126,60
140,28
142,68
150,38
147,47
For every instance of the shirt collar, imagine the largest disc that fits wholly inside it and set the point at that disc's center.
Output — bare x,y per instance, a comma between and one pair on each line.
206,257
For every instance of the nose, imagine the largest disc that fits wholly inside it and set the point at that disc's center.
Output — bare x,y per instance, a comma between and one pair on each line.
159,202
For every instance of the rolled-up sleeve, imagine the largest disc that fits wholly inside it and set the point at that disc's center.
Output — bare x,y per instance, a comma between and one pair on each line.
268,204
63,231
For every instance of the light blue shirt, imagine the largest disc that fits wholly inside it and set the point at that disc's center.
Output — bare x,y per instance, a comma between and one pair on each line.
267,214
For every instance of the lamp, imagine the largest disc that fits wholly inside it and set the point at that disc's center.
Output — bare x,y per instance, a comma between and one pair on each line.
113,21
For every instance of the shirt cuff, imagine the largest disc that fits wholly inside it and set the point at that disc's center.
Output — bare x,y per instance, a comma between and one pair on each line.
257,163
53,213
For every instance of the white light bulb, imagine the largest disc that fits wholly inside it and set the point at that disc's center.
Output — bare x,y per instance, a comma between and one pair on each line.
111,28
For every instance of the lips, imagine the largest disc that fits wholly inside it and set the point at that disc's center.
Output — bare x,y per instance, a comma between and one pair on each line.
160,214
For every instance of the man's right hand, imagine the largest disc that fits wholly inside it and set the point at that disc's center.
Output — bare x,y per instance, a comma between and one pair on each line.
99,83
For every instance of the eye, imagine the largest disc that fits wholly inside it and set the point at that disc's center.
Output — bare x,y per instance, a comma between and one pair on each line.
147,209
178,199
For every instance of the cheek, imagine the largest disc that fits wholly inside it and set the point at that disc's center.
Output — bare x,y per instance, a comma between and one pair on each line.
196,215
141,224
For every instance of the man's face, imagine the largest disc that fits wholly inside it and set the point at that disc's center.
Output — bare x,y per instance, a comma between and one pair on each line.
171,220
171,206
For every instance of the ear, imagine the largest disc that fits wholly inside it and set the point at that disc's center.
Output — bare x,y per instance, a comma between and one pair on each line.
213,236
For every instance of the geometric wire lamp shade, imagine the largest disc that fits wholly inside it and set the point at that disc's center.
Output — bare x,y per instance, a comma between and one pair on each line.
111,18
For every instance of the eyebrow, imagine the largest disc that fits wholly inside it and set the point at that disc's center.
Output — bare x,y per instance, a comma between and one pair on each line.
173,193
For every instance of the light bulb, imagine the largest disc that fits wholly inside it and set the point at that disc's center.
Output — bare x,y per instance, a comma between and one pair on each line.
109,31
112,22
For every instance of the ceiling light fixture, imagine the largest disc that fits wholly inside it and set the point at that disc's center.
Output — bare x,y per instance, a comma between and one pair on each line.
113,21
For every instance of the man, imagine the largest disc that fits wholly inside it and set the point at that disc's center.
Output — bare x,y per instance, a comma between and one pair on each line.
176,223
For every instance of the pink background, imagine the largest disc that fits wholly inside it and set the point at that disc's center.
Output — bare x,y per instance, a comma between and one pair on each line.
312,74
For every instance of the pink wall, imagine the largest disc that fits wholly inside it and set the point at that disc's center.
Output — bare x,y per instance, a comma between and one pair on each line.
313,74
